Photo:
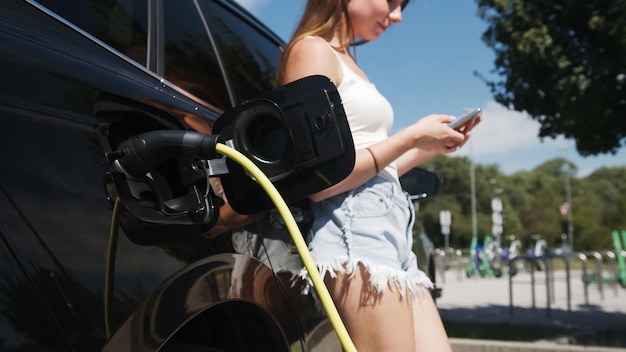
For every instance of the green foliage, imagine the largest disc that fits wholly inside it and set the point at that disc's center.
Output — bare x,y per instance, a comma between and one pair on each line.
530,200
563,62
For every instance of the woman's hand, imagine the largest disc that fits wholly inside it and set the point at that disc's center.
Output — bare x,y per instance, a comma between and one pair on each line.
433,136
229,219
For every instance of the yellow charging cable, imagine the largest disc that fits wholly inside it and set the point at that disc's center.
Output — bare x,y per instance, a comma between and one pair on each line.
294,230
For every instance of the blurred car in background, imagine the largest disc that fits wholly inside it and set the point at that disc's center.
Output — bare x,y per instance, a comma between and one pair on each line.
422,184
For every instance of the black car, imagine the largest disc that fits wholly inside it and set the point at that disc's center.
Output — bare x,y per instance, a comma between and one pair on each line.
79,78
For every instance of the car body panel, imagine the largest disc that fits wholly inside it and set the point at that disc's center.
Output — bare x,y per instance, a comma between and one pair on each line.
72,88
56,210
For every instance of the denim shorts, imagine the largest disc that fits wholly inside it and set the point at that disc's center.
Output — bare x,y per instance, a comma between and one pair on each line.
371,225
269,244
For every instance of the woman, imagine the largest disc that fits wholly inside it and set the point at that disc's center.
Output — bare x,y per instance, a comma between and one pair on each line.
361,237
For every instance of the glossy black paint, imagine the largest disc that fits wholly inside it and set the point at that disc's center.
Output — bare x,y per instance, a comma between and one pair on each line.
231,294
56,201
77,78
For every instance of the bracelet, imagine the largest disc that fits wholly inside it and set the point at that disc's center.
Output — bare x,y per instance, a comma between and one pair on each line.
373,158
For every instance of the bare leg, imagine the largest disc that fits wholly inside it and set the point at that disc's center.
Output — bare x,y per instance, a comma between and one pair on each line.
375,322
430,334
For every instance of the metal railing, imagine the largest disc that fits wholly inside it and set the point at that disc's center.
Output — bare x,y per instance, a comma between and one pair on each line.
532,262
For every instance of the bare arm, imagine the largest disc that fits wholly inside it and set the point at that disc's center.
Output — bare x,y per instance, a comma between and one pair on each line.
417,156
230,219
408,147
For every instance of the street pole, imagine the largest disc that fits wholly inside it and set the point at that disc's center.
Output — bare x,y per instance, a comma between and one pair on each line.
473,188
472,182
496,217
568,196
445,219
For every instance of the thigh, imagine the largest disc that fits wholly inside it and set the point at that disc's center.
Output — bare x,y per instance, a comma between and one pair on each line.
376,321
430,334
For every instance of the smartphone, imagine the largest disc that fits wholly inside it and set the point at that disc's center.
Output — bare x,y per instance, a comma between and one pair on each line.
460,122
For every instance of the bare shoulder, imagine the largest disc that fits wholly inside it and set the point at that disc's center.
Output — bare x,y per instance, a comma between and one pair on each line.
312,56
313,44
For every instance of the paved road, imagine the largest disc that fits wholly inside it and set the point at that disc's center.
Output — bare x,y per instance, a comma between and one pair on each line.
487,300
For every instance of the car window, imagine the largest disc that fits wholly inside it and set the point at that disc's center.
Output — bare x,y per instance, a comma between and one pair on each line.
190,61
250,57
122,24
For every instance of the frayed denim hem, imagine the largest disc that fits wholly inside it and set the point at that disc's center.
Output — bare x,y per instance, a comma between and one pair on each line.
381,277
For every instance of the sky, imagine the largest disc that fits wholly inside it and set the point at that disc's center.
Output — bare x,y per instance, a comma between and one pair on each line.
427,65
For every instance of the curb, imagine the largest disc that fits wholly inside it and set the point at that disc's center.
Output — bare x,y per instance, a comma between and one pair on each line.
471,345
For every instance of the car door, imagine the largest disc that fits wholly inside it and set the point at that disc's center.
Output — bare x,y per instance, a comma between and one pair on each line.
68,68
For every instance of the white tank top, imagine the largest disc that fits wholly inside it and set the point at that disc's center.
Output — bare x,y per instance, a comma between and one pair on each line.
369,114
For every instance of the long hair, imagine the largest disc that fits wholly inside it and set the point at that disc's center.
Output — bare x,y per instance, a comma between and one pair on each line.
321,18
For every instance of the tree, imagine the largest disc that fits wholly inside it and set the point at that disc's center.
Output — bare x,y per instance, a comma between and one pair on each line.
563,62
531,202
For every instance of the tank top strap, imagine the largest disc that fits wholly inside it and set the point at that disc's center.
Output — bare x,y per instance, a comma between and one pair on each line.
343,67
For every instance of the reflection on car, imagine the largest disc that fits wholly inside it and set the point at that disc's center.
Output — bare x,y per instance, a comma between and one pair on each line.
80,77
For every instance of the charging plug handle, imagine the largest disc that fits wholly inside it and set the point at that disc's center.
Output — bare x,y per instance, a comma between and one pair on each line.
140,154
